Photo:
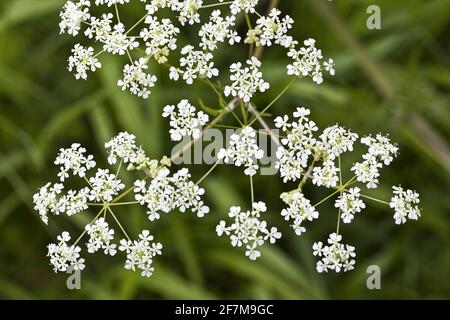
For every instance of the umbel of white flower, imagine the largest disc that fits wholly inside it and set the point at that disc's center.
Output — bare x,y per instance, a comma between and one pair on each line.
350,204
163,194
246,81
64,256
140,253
297,146
405,203
299,210
184,121
271,29
304,156
136,80
100,237
243,150
335,256
151,37
248,229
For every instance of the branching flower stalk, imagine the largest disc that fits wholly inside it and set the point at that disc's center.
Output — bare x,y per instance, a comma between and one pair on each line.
305,155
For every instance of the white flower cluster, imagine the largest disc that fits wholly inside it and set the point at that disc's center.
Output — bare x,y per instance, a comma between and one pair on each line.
74,160
100,236
293,156
50,199
217,30
184,121
123,147
64,256
270,30
308,62
83,60
104,186
248,230
335,141
350,203
243,150
159,38
140,253
246,81
117,41
136,80
326,175
381,153
165,193
195,64
247,6
299,210
405,204
72,15
301,150
336,256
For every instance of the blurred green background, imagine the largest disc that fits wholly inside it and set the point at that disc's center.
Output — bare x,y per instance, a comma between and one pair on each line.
395,80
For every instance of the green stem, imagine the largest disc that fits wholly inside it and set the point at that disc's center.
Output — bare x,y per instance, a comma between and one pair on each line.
120,166
216,4
375,199
124,203
119,224
273,102
326,198
84,231
208,173
136,24
252,194
117,12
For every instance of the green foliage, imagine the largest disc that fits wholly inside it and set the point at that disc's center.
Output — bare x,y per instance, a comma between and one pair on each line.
395,81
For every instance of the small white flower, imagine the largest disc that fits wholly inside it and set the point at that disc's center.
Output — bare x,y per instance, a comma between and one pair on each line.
350,204
72,15
194,64
117,42
246,81
248,229
336,256
100,236
165,193
336,140
160,38
74,160
47,200
271,29
299,210
381,153
140,253
405,203
327,175
184,121
247,6
217,30
243,150
110,3
297,146
381,148
307,62
63,256
99,29
136,80
188,11
104,186
83,60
